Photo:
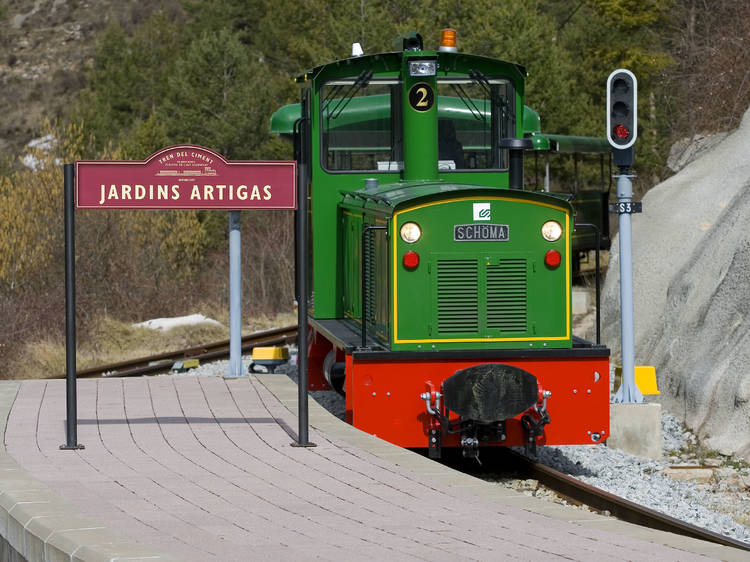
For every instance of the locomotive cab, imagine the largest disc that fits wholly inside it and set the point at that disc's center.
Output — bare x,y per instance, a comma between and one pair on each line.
440,291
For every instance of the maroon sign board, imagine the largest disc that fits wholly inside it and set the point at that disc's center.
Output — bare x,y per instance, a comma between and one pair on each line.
186,177
177,177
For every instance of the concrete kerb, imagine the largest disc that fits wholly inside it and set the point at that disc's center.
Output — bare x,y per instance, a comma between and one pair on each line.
41,526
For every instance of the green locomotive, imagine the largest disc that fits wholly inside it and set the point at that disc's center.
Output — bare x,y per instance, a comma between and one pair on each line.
440,290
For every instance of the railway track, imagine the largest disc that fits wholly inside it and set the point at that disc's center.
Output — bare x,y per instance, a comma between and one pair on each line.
162,362
580,493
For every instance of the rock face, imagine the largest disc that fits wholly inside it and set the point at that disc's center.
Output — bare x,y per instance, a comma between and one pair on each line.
691,279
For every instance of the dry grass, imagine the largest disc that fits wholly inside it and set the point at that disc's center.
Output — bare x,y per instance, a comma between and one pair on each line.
111,341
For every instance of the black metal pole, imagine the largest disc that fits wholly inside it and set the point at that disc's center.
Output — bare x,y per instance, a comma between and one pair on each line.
71,429
302,265
515,166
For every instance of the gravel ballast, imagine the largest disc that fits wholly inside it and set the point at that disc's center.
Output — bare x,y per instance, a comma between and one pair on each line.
715,505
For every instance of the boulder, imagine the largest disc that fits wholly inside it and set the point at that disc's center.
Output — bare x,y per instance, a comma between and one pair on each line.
691,279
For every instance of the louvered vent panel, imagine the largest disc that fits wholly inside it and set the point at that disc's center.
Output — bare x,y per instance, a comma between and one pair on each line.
506,296
371,277
458,300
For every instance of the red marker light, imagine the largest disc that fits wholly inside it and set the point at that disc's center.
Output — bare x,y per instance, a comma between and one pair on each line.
621,131
552,258
411,259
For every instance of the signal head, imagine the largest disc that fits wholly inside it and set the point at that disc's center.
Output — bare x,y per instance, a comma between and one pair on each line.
622,109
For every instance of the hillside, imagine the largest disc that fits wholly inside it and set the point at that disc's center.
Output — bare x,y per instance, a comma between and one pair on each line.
45,48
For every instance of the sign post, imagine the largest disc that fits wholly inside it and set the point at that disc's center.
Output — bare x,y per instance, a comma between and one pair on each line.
71,406
235,298
177,177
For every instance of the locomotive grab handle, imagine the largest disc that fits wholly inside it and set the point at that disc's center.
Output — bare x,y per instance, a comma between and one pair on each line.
598,282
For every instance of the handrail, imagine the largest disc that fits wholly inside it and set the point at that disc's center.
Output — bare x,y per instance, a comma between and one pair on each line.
598,302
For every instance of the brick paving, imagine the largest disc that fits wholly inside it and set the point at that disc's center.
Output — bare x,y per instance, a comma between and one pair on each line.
202,468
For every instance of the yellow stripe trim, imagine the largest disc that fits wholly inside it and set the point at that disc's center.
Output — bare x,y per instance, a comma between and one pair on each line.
472,340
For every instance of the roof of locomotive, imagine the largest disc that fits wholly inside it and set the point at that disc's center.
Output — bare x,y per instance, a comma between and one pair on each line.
391,62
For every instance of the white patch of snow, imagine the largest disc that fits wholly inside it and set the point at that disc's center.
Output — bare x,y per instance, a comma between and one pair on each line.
169,323
42,144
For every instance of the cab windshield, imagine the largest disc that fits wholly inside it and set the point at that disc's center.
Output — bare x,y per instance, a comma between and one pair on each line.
473,115
360,123
360,129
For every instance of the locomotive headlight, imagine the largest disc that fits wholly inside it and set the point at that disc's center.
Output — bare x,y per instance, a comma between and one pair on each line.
551,231
410,232
422,68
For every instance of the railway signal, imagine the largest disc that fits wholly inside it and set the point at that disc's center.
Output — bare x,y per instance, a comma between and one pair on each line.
622,124
622,109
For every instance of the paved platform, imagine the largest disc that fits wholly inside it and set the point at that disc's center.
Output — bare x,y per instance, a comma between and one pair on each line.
202,468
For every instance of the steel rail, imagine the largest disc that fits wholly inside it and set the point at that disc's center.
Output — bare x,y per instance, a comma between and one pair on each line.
623,509
162,362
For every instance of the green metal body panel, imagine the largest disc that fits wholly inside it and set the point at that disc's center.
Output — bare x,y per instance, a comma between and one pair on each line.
420,123
570,144
381,143
478,294
420,162
590,203
463,295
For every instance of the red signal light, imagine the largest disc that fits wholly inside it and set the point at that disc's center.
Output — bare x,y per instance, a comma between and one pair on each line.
552,258
621,131
411,259
622,110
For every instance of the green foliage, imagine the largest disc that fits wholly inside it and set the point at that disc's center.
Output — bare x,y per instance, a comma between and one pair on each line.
628,14
128,80
146,137
600,36
321,32
241,17
29,200
220,96
216,79
212,73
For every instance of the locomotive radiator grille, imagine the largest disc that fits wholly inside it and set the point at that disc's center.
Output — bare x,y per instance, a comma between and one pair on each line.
458,296
506,296
481,301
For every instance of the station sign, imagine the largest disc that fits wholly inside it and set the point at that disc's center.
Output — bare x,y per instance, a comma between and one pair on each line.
186,177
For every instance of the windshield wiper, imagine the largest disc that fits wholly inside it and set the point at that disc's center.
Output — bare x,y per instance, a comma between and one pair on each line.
477,113
490,92
361,82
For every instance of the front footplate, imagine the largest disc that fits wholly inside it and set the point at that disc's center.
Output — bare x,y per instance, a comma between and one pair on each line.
485,398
